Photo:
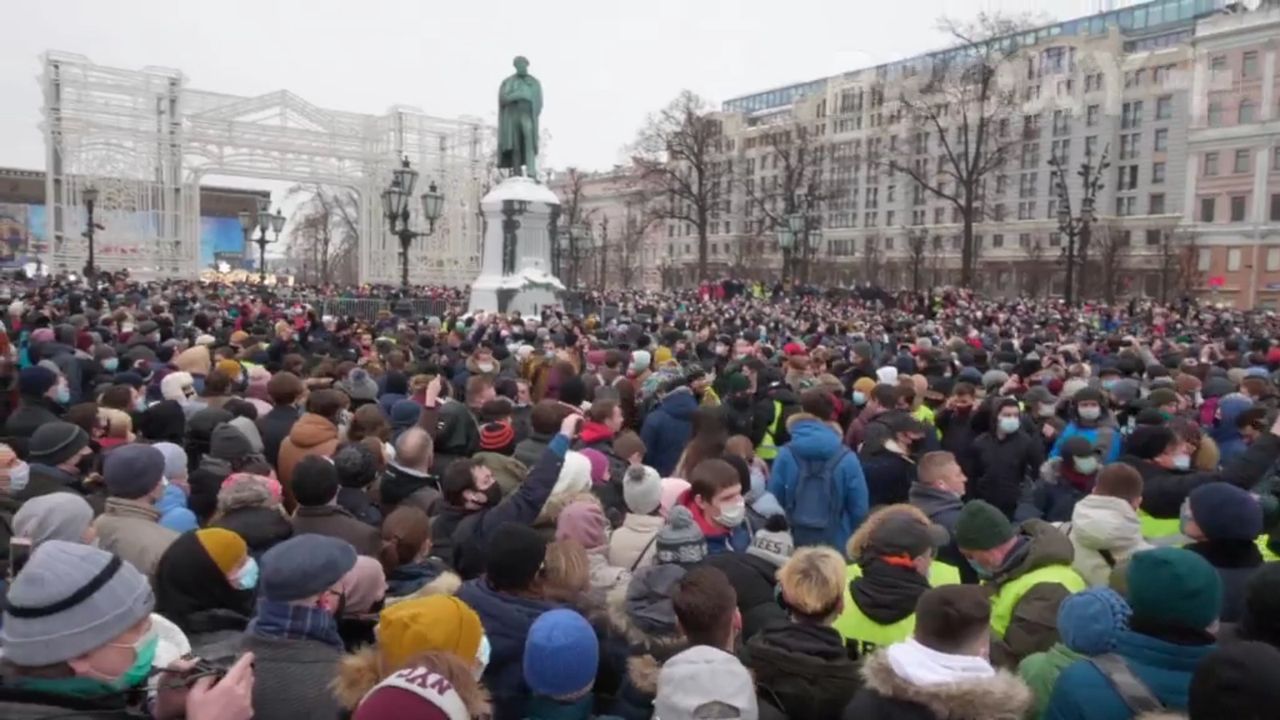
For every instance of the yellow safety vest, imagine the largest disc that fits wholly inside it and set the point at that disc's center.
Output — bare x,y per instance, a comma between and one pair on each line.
1006,600
855,627
1267,555
1154,528
767,449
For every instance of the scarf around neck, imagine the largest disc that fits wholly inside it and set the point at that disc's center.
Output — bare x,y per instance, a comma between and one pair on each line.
284,621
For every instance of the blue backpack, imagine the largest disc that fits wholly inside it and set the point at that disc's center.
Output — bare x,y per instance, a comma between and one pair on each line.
814,507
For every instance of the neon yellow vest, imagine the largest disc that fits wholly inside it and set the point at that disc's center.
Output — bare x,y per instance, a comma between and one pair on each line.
1267,555
767,450
1006,600
855,627
1154,528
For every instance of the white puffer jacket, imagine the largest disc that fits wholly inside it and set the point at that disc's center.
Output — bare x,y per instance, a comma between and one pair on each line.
1105,532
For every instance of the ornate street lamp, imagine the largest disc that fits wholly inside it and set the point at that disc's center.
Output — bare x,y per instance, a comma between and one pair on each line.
395,207
263,222
90,196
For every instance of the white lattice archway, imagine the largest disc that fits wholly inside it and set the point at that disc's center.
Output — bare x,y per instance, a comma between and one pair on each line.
145,140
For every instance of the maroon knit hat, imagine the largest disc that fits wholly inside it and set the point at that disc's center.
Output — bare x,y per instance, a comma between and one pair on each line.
415,692
498,437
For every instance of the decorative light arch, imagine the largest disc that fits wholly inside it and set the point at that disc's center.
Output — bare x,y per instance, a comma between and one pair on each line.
145,140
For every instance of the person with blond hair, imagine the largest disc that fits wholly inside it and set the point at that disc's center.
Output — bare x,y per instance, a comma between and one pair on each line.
801,667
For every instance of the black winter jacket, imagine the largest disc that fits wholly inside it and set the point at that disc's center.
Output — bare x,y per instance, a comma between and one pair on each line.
802,671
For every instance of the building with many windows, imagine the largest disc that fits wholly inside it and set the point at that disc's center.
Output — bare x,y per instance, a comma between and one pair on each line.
1179,95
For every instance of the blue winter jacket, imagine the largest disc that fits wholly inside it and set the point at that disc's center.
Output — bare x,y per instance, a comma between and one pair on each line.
1084,693
506,620
1225,434
667,430
814,441
1092,434
173,511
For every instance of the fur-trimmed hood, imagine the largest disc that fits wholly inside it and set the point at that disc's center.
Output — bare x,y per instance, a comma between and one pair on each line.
446,584
647,652
359,672
1002,697
557,503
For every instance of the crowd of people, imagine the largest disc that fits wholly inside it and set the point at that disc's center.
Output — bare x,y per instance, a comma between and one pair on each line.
217,503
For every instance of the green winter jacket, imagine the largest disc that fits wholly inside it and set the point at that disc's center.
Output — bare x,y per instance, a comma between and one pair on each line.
1040,671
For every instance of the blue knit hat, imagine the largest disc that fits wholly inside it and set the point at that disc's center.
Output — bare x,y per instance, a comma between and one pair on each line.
36,381
561,655
1090,621
1226,512
1175,587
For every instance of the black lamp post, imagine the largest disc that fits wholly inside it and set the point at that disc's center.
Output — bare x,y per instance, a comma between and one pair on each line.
1078,226
395,206
262,222
90,195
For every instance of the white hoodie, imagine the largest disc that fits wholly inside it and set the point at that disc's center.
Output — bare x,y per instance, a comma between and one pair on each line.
1100,523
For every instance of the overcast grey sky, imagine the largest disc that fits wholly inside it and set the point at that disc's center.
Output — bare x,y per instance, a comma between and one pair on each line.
603,64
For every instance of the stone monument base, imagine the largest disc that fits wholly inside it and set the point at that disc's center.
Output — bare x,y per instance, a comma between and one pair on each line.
515,267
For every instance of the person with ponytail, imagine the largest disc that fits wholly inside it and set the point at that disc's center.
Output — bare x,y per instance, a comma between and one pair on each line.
406,546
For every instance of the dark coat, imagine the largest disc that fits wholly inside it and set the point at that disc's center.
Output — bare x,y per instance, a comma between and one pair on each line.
530,449
291,678
999,467
45,479
1164,490
274,428
262,528
30,414
408,579
943,508
357,502
335,521
957,430
889,475
802,670
400,485
506,619
886,696
1236,562
754,579
763,412
18,704
667,430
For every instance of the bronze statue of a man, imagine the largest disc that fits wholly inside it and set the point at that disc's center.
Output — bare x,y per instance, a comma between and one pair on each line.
519,104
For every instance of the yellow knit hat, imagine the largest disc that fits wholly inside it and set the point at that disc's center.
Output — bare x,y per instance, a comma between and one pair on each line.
662,355
225,548
230,368
433,623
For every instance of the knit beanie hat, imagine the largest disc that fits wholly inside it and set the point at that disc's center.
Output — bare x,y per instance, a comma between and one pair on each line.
225,548
36,381
648,600
981,526
1237,680
599,465
175,459
228,443
70,599
56,516
640,360
1090,621
303,566
436,622
584,521
575,475
414,692
773,542
1175,587
56,442
1226,512
642,489
498,437
561,655
680,540
515,554
131,471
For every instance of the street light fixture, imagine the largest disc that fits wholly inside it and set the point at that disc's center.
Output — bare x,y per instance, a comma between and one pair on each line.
1080,226
90,197
263,222
395,207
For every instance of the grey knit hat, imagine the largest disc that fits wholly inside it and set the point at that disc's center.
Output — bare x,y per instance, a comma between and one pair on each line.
68,600
56,442
303,566
773,542
131,471
228,443
680,540
56,516
175,459
642,489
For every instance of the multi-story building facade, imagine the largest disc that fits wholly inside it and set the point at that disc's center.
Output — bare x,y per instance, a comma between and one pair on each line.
608,236
1136,85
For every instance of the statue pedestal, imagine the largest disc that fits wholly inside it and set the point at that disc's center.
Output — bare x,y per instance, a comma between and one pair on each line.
515,265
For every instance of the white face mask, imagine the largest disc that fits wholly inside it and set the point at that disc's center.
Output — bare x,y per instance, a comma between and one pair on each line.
1010,425
732,514
1090,413
485,367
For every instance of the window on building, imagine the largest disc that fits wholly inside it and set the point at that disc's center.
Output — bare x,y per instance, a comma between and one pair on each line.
1237,208
1207,207
1092,114
1273,259
1215,113
1131,115
1090,146
1153,237
888,243
1051,211
1055,239
1027,210
1157,173
1204,260
1164,107
1162,140
1129,145
1218,65
1233,259
1128,177
1248,112
1024,240
1241,164
1125,206
1155,204
1249,65
1061,122
888,218
1275,207
1210,164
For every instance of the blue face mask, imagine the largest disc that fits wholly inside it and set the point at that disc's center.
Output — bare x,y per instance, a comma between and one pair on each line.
111,364
1182,461
248,577
859,398
140,405
63,396
982,572
1010,425
137,674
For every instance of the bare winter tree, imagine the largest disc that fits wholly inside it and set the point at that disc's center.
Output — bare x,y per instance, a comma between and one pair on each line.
678,155
627,246
966,106
917,246
795,186
574,250
1036,270
1179,264
325,233
872,261
1112,246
